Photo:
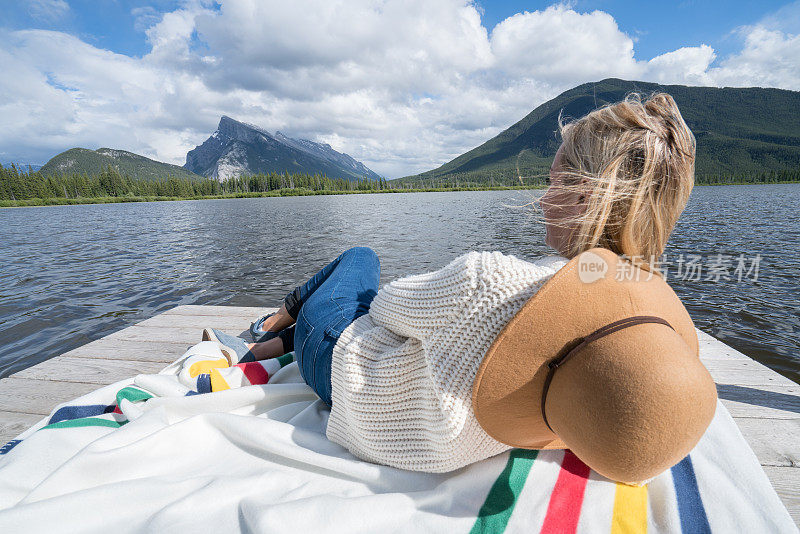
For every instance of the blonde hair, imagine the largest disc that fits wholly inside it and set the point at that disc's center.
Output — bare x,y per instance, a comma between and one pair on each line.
637,158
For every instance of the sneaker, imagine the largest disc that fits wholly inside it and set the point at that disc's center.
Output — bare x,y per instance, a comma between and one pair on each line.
235,345
257,334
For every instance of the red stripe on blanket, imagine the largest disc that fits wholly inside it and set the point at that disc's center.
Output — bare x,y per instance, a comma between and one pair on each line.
567,497
254,372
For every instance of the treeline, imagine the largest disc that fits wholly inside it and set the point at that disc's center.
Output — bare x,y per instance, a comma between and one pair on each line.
764,177
490,178
20,185
16,184
262,183
504,178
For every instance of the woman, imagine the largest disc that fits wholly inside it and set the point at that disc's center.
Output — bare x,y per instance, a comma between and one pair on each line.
396,365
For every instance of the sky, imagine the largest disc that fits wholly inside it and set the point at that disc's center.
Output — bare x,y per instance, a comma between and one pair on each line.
402,85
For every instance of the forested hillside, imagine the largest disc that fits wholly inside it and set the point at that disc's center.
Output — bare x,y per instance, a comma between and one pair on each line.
743,134
92,162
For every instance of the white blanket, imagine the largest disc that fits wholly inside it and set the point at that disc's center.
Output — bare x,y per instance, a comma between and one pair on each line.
255,458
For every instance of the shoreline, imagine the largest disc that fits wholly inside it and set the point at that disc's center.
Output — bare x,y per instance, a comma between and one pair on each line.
59,201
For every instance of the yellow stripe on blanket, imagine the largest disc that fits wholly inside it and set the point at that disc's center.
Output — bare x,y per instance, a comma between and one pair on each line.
206,366
218,383
630,509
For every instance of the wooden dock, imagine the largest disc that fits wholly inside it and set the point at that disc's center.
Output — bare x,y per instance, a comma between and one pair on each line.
765,404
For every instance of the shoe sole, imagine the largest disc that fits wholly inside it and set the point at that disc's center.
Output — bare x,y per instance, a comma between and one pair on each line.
230,354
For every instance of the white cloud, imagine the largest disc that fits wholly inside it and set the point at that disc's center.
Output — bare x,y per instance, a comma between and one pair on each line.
770,58
785,18
284,47
688,66
145,17
401,85
561,45
48,10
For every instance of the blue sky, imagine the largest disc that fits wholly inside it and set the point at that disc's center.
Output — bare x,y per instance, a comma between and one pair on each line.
403,85
657,26
114,25
660,26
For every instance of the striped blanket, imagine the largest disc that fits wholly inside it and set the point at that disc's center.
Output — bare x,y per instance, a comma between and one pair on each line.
211,447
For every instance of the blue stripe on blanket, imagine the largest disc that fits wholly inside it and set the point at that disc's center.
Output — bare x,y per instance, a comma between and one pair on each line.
76,412
204,383
10,445
690,505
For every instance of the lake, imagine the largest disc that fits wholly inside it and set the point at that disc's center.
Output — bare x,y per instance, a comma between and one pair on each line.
73,274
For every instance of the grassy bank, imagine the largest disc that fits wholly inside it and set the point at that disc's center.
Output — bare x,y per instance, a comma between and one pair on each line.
278,193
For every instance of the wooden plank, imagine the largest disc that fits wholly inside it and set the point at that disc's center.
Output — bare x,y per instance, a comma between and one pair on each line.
224,311
713,349
186,326
745,374
188,336
786,481
775,441
12,424
769,402
38,396
122,349
755,378
88,370
226,324
162,347
747,366
713,353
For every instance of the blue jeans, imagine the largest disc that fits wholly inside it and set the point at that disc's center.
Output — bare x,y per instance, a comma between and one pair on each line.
324,306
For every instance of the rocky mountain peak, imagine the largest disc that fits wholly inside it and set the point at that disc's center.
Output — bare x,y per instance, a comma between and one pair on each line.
237,148
240,131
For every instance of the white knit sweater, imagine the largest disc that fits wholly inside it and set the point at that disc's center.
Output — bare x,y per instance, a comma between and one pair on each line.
402,374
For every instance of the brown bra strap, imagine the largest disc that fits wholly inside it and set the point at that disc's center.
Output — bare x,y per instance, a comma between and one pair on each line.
597,334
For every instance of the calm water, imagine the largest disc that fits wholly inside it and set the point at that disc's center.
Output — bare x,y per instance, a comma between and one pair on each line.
73,274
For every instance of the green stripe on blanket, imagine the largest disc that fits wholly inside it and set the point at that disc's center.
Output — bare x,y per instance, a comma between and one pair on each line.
85,421
496,510
132,394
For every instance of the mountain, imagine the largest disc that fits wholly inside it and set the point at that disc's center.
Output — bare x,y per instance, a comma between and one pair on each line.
738,130
92,162
238,148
